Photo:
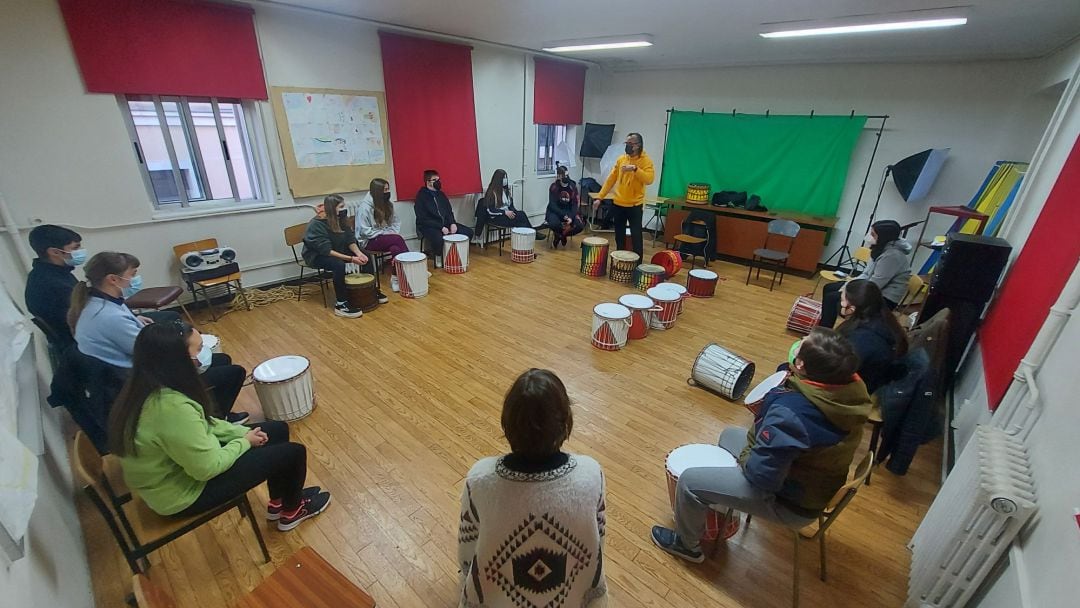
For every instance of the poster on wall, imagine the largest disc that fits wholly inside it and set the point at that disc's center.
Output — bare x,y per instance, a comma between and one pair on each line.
334,130
332,140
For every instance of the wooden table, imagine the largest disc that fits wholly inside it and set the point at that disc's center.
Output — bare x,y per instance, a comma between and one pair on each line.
306,580
739,232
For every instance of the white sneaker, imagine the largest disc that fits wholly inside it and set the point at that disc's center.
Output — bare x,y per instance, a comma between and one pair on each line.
394,286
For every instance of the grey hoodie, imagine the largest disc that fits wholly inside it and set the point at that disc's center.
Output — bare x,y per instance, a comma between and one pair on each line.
891,270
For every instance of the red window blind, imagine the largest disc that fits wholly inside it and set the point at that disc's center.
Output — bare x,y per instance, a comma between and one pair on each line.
165,47
558,92
430,113
1034,282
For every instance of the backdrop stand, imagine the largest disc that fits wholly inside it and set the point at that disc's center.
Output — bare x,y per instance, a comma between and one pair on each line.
844,252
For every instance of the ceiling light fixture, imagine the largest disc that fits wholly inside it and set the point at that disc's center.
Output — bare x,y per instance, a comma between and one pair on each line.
868,27
599,44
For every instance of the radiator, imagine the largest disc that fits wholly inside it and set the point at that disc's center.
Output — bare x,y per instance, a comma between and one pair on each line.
987,499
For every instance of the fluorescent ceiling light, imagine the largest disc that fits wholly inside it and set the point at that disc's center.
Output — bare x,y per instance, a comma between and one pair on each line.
888,26
599,44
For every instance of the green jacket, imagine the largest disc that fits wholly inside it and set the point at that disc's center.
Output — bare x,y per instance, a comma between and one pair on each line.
177,451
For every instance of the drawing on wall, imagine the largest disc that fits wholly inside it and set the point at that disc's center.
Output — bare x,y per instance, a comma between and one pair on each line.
334,130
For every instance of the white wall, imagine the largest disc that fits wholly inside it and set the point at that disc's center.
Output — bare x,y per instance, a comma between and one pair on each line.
66,158
984,111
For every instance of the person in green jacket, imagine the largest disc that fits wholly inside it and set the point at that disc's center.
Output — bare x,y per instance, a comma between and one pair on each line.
179,460
330,245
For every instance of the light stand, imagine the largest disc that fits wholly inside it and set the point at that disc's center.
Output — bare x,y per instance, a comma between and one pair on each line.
844,252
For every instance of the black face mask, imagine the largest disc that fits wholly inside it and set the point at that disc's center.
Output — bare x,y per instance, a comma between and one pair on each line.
562,180
629,148
386,197
437,185
342,215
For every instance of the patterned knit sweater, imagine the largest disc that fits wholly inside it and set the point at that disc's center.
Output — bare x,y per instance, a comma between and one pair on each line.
532,539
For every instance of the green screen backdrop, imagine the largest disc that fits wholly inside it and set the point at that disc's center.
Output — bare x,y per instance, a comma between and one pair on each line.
794,163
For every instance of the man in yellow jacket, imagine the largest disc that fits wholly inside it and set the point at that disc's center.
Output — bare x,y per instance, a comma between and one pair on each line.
633,171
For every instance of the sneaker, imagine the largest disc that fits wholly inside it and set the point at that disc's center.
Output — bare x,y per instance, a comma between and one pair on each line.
273,508
394,285
669,541
342,309
308,509
236,416
381,297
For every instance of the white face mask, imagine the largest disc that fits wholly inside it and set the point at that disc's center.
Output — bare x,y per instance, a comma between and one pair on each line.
870,239
204,358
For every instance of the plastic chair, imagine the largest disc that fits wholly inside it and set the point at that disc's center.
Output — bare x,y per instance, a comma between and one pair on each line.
914,288
143,531
826,519
204,284
774,259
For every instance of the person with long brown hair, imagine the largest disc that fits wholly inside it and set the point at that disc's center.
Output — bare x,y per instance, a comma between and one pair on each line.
535,480
328,245
181,461
378,228
105,328
497,206
875,334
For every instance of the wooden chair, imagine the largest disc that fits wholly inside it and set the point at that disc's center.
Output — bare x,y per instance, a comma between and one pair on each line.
774,259
203,285
825,520
137,529
860,260
294,235
694,241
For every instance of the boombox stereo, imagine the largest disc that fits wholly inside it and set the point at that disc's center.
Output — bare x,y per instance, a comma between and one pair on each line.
207,258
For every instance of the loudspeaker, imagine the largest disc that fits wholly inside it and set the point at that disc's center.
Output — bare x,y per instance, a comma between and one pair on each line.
964,281
970,266
596,140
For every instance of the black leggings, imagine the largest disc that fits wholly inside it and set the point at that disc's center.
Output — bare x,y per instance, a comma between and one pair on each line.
830,303
280,463
520,221
337,268
224,381
632,215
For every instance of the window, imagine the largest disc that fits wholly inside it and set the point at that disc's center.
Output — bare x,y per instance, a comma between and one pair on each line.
552,144
193,151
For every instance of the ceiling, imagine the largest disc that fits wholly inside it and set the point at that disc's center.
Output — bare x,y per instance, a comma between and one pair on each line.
692,33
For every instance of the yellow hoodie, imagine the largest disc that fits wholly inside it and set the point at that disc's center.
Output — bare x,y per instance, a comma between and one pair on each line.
629,185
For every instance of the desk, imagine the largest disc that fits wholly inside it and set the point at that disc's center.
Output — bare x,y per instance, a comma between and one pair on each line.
739,232
306,579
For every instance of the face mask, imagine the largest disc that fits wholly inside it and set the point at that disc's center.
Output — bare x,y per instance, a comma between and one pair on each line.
629,148
386,197
792,352
870,239
134,285
342,214
204,358
505,182
76,258
437,185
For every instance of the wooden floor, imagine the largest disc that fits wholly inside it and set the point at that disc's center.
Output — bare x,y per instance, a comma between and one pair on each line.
409,397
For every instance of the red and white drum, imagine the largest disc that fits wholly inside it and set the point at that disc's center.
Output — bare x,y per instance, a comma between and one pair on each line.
642,310
668,301
611,324
701,283
679,289
455,253
521,245
805,315
412,274
718,526
670,260
756,396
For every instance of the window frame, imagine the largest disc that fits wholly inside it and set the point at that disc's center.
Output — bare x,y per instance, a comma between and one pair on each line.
248,125
555,141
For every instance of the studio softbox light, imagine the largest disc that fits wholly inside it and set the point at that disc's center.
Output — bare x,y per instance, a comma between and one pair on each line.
596,140
915,174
